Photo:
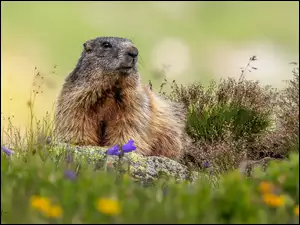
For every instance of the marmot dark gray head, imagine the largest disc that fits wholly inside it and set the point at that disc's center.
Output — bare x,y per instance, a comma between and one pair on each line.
106,56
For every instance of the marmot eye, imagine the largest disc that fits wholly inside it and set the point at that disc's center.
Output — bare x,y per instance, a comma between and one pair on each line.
106,45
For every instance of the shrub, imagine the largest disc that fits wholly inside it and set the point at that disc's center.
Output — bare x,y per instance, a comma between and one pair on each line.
211,123
239,118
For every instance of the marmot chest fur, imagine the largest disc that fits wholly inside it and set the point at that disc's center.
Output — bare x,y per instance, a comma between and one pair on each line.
103,102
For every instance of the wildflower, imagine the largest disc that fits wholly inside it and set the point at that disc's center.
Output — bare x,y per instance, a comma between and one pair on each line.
7,151
206,164
69,174
43,205
128,147
273,200
108,206
113,150
266,187
55,211
296,210
40,203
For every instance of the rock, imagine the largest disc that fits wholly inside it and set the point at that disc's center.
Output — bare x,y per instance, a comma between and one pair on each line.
145,169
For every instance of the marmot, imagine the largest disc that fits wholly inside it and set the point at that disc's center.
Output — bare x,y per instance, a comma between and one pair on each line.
102,102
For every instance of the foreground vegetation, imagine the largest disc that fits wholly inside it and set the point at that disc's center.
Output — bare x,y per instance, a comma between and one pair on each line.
229,123
36,191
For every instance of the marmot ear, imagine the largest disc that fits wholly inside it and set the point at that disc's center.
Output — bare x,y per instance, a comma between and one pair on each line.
87,46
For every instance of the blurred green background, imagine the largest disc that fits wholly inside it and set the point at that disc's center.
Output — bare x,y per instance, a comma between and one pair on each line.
188,41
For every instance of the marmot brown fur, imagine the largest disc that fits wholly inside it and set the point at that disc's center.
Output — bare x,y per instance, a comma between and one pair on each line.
103,102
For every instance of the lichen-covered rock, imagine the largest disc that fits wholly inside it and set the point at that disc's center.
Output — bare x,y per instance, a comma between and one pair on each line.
145,169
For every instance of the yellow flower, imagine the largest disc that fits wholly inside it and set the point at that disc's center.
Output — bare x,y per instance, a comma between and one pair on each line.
266,187
40,203
108,206
296,210
43,205
273,200
55,211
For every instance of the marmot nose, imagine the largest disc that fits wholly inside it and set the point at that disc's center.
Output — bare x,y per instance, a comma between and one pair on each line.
133,52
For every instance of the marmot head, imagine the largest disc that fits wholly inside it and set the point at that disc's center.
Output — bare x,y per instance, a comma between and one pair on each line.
104,62
111,54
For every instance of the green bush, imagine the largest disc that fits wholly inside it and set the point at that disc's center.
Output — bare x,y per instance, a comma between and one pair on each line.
214,120
88,196
240,118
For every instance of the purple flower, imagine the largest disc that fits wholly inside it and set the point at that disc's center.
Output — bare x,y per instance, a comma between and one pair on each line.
206,164
69,174
7,151
128,147
113,150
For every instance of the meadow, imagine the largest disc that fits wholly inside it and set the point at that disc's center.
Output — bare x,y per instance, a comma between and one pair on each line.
232,121
244,124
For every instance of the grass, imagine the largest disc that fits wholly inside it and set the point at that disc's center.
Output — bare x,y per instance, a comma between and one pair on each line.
229,122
